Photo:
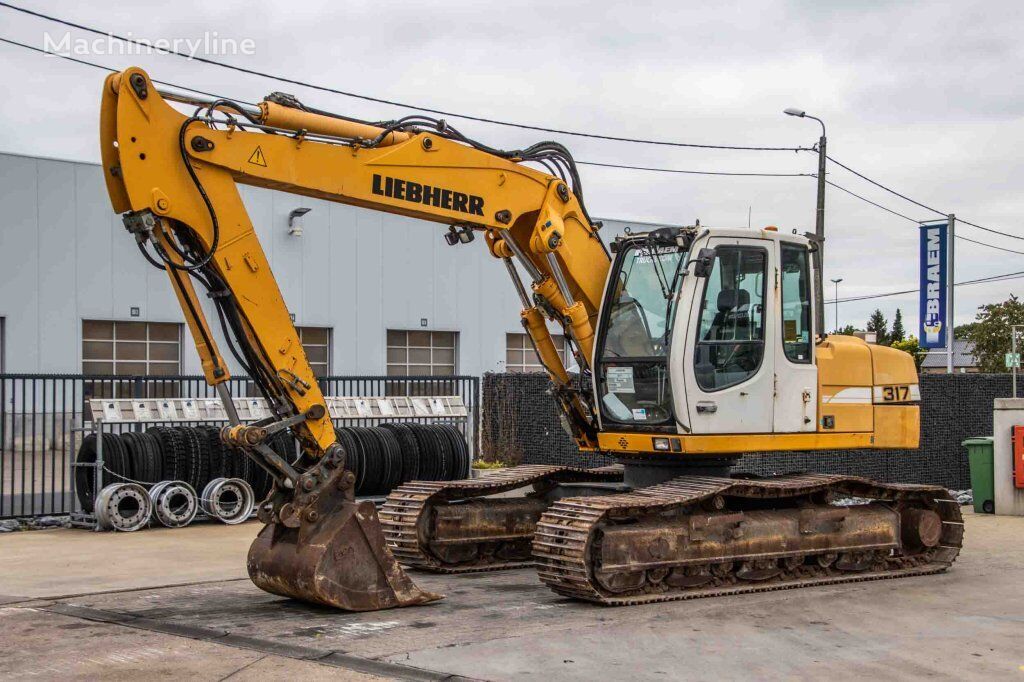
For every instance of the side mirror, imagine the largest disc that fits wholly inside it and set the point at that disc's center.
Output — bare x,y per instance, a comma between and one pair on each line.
703,263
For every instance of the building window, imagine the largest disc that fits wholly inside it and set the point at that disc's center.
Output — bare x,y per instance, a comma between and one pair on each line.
131,348
422,353
521,357
316,341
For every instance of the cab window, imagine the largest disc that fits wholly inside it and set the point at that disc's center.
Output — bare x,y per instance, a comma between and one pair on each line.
796,304
730,341
633,374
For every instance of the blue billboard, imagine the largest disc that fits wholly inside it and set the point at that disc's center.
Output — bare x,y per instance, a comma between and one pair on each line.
933,312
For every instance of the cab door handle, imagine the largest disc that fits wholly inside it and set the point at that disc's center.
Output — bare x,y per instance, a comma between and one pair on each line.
706,407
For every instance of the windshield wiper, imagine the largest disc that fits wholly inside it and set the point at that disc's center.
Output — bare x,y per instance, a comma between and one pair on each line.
669,305
659,268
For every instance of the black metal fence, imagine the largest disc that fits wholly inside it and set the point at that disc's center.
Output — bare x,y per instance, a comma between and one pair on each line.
43,418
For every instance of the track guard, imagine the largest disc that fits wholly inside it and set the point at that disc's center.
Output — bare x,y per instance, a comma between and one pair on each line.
334,554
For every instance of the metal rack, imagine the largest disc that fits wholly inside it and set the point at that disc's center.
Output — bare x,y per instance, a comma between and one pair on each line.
145,412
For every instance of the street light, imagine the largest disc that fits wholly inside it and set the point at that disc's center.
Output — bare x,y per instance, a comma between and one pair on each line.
819,222
836,282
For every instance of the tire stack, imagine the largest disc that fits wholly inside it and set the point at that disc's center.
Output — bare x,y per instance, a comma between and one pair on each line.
193,458
384,457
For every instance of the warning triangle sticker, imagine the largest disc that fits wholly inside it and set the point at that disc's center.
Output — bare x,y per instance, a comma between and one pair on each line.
258,158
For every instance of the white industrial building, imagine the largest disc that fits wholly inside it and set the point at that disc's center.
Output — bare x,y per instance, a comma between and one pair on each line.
364,287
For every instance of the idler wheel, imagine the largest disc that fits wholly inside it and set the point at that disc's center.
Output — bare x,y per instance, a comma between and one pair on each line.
920,529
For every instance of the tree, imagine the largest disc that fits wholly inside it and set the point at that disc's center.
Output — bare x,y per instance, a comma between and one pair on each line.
898,333
991,333
848,330
911,345
963,331
880,326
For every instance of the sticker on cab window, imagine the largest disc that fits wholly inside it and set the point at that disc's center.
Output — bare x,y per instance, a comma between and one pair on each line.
640,414
620,380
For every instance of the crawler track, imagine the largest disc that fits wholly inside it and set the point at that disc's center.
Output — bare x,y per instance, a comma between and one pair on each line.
406,515
566,546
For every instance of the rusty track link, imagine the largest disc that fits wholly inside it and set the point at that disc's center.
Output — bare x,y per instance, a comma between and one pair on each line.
404,513
566,532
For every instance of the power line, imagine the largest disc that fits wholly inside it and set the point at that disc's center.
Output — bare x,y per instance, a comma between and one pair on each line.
584,163
905,217
918,203
878,184
693,172
988,229
379,100
991,246
829,182
982,280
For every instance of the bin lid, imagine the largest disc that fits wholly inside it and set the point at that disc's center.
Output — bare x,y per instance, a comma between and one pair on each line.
978,440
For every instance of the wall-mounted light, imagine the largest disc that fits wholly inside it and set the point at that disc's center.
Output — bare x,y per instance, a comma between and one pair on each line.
295,221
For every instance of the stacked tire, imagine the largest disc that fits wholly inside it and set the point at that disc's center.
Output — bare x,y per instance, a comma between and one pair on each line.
170,473
389,455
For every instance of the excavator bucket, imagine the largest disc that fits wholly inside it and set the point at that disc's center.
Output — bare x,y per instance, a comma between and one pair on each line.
332,553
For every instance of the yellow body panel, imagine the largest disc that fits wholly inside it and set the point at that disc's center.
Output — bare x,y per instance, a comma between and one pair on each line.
844,384
643,443
897,426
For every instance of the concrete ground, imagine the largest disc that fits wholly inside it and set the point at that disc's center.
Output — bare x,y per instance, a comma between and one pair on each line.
165,603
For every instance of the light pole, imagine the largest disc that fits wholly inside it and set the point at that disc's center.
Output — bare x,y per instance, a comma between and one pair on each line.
819,222
836,282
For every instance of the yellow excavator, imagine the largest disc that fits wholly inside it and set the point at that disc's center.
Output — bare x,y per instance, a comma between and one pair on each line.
693,346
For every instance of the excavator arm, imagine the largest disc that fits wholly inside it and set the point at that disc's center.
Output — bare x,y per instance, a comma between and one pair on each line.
174,178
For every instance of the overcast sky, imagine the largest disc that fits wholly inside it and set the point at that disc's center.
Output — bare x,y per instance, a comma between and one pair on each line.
925,97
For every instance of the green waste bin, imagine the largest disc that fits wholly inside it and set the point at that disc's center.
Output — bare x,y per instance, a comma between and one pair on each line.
979,455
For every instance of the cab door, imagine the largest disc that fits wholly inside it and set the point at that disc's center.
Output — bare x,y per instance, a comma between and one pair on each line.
728,364
796,383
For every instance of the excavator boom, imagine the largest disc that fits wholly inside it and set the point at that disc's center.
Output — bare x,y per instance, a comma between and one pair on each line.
174,178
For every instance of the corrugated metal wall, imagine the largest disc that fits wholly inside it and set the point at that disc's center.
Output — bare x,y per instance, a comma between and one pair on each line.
65,257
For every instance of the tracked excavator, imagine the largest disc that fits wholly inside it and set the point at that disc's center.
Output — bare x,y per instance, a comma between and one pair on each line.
693,347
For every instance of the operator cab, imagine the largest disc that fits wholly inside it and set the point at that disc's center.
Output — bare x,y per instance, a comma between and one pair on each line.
696,327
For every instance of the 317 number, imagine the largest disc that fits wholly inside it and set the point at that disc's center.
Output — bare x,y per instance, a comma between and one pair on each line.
895,394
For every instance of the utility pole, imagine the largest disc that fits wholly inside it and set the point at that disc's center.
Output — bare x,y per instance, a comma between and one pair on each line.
1014,360
836,282
819,223
950,279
